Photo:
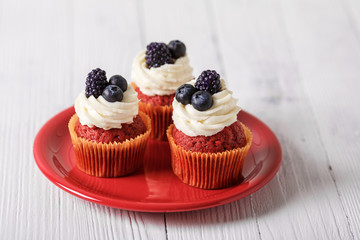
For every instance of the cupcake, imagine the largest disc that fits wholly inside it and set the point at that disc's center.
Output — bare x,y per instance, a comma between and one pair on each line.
108,133
156,74
208,144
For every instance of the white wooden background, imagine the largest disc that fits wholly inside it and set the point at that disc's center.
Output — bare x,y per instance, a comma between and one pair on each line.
293,63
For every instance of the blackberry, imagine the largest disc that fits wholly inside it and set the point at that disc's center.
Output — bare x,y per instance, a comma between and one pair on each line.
157,54
95,83
209,81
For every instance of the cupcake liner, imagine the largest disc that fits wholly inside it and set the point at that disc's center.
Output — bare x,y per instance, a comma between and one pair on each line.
161,118
208,170
109,159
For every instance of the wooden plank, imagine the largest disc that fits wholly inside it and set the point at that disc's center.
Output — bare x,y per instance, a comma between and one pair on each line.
302,202
46,54
331,74
25,43
231,221
352,11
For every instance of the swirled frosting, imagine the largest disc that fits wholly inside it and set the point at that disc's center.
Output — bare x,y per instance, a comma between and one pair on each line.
193,123
163,80
103,114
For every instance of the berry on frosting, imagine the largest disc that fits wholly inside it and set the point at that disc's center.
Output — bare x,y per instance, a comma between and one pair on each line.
157,54
95,83
202,100
113,93
184,93
209,81
177,48
119,81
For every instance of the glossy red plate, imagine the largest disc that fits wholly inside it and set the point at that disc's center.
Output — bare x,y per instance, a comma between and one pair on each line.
154,188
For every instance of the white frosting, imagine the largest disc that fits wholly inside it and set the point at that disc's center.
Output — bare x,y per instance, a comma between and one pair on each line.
103,114
163,80
193,123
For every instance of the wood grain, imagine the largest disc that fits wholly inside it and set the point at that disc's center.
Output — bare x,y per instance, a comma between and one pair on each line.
282,89
332,89
294,64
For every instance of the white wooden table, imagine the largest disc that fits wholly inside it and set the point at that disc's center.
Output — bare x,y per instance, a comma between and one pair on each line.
294,64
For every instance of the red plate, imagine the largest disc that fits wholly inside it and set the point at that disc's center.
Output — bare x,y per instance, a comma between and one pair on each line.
154,188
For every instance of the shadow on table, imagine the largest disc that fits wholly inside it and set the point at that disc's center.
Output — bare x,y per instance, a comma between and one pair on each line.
301,176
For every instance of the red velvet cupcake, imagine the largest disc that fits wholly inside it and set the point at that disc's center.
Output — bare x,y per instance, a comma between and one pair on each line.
108,133
227,139
126,132
156,74
208,144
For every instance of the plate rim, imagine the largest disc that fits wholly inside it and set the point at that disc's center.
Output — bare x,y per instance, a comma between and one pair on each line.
147,206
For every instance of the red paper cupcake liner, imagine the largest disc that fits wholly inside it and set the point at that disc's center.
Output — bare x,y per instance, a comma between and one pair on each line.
109,159
208,170
161,118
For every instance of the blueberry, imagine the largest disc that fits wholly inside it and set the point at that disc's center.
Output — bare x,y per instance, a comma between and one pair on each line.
201,100
113,93
184,93
119,81
177,48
